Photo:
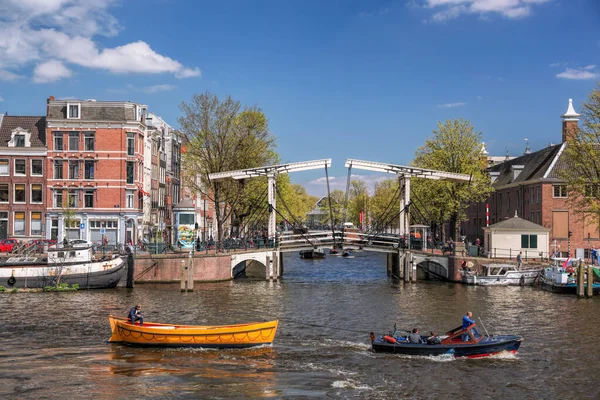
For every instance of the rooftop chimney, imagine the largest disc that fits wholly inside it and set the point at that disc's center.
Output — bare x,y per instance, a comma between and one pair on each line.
570,123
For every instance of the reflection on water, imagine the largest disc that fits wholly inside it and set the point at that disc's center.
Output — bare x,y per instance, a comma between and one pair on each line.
54,344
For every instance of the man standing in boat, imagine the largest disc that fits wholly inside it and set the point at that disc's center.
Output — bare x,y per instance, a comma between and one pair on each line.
466,322
135,314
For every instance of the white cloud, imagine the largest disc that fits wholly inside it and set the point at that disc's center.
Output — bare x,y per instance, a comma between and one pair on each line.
479,97
452,105
158,88
318,187
451,9
50,71
586,72
8,76
1,99
36,31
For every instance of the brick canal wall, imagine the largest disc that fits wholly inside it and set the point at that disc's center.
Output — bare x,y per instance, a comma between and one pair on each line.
166,268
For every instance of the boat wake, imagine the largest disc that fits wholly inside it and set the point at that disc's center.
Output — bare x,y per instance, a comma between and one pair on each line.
350,384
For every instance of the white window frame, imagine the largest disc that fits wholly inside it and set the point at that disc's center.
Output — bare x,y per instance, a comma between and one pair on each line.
31,167
561,196
78,105
7,166
15,165
8,187
15,191
86,193
31,194
31,223
129,195
54,193
24,223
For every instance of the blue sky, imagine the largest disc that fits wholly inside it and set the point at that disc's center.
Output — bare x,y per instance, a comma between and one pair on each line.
337,79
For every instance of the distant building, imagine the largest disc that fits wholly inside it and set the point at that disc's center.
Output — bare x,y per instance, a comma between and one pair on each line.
22,177
531,186
95,170
317,216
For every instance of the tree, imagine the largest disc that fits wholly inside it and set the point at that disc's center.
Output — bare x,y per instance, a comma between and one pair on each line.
223,136
454,147
382,212
338,198
358,200
582,155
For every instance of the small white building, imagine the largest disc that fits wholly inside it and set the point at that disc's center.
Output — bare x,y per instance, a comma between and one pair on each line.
507,238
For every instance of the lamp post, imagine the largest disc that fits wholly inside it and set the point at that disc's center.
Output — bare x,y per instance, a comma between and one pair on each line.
204,232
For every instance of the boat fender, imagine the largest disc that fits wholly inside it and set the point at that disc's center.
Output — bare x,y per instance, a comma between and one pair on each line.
11,281
389,339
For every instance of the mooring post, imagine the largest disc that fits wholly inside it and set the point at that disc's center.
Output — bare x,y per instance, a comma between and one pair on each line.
268,268
280,264
580,280
413,265
130,270
183,276
406,266
190,273
275,275
590,281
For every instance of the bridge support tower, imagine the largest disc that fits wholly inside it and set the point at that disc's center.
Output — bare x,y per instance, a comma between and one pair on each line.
401,265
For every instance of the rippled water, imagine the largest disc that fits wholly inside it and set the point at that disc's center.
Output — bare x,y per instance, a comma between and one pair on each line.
54,344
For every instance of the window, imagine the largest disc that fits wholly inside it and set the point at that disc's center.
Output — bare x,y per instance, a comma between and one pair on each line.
130,144
4,169
73,141
539,194
500,201
129,199
73,199
20,167
36,223
73,111
130,168
19,223
58,198
89,169
19,193
4,193
58,169
590,191
559,191
89,141
54,230
19,140
186,219
88,199
36,193
73,169
508,201
529,241
58,141
37,167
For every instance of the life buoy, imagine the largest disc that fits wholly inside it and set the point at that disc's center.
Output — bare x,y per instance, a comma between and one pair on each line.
11,281
389,339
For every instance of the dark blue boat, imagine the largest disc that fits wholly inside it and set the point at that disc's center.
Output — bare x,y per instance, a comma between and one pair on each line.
458,342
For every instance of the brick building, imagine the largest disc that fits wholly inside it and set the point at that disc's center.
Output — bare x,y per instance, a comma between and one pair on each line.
22,177
95,170
530,185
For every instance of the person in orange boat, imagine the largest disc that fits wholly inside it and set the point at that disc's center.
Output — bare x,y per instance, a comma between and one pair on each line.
135,314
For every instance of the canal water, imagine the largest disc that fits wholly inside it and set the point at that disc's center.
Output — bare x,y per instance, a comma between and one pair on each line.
54,344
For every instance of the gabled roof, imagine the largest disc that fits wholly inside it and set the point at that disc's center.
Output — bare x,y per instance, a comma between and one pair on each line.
35,125
535,164
516,224
183,204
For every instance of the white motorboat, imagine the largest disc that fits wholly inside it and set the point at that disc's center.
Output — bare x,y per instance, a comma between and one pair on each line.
502,275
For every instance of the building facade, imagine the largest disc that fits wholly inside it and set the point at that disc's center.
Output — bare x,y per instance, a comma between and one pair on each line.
22,177
531,187
95,170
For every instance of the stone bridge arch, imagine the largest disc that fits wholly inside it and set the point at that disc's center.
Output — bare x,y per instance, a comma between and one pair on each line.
431,267
257,264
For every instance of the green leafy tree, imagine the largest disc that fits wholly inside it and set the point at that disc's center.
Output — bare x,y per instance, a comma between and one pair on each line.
223,136
455,146
379,207
338,198
583,158
358,201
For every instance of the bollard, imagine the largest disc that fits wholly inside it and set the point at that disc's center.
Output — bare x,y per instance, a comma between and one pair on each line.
183,276
190,274
590,281
580,280
268,268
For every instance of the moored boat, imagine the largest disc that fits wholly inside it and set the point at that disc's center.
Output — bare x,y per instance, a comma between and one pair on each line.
167,335
502,275
70,265
458,342
561,277
312,254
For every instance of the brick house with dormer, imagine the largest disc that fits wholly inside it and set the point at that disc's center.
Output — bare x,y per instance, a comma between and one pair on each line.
530,185
22,177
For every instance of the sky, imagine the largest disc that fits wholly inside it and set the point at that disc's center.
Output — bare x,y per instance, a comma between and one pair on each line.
337,79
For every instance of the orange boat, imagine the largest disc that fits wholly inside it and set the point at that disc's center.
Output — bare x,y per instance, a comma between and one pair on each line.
167,335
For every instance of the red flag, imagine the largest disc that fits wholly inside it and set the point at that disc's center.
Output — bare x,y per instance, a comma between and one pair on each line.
361,217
